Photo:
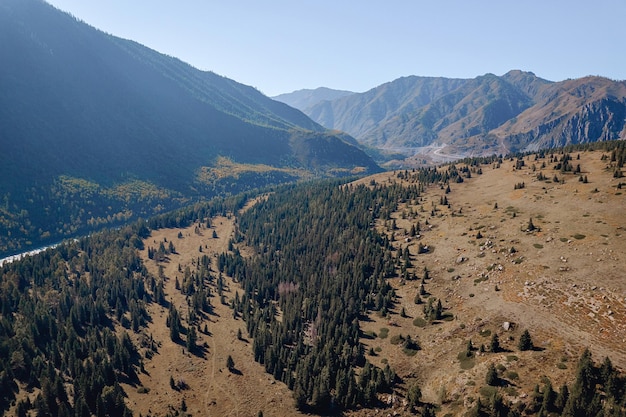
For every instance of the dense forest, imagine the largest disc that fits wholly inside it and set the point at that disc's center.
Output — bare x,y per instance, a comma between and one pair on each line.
67,207
318,269
322,265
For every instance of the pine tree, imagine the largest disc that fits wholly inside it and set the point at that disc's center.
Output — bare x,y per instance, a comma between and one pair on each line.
549,397
561,398
192,337
173,321
492,375
525,341
414,395
494,345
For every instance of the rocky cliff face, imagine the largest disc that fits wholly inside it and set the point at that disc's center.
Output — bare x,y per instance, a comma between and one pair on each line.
586,110
517,111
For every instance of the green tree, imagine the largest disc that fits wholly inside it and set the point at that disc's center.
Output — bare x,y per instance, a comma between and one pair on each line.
549,397
561,398
192,338
414,395
525,341
173,321
230,363
494,345
492,375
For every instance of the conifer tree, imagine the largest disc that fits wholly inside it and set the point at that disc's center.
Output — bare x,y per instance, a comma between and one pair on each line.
525,341
494,345
492,375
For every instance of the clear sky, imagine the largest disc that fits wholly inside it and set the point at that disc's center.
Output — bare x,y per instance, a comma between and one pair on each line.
279,46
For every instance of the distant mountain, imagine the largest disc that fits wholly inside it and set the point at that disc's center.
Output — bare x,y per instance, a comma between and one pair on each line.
86,116
303,99
583,110
514,112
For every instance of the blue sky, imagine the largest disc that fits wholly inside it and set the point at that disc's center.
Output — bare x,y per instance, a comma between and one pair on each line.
279,46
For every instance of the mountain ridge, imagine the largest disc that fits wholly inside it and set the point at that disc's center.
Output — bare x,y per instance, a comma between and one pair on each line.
302,99
517,111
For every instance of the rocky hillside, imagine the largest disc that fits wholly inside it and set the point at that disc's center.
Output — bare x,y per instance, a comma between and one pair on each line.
575,111
488,114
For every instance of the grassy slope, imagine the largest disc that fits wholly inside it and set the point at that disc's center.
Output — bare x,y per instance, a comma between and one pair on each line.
565,288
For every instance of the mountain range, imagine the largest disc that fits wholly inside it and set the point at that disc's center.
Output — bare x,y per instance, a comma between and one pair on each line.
517,111
85,113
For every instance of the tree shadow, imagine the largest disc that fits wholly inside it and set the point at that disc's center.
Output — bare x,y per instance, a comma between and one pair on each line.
235,371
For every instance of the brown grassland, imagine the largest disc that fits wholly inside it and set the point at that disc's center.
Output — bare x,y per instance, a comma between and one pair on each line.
564,282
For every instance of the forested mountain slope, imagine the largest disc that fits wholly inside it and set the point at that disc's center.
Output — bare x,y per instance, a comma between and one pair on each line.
90,121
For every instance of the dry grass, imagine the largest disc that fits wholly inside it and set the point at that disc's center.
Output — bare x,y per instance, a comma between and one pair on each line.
212,389
567,291
226,168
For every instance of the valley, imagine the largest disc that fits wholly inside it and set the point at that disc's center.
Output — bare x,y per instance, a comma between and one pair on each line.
433,246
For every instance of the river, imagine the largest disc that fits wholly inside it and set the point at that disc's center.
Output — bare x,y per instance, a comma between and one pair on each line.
19,256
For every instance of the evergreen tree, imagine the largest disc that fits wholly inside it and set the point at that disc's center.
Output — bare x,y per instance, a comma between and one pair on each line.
173,321
192,337
413,395
561,398
525,341
492,375
494,345
549,398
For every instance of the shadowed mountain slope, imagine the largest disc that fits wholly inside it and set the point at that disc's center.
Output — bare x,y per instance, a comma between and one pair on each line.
103,111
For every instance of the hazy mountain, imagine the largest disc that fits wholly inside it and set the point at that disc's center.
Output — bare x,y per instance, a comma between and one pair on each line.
516,111
303,99
103,111
361,113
